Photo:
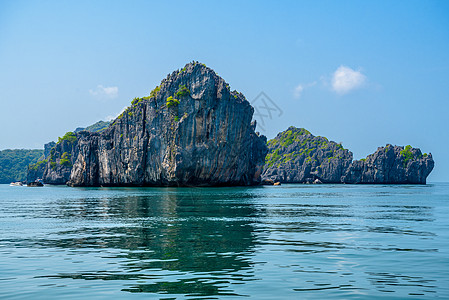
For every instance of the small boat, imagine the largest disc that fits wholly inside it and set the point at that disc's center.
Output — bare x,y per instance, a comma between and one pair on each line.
36,183
18,183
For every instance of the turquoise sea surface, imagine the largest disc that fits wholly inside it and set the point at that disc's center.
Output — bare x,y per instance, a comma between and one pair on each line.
270,242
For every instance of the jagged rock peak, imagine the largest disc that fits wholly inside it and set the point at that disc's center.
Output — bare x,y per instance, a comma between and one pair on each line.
190,81
190,130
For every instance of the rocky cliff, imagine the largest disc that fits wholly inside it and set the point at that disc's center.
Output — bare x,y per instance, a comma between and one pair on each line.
61,159
55,165
191,130
296,156
35,171
58,160
391,164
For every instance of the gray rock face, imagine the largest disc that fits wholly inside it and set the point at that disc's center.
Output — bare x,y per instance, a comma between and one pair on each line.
47,149
59,174
391,164
191,130
34,172
60,160
297,156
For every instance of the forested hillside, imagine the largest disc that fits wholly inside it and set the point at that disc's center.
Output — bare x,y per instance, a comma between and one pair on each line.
14,163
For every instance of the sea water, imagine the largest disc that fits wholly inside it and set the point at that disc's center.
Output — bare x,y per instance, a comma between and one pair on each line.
270,242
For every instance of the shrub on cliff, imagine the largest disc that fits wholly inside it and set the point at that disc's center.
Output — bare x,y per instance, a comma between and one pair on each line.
69,137
182,91
172,101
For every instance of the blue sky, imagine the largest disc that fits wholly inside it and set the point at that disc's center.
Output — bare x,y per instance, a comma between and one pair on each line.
364,73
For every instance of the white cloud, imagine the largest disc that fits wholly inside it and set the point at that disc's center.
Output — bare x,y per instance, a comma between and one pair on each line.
300,88
346,79
105,91
110,117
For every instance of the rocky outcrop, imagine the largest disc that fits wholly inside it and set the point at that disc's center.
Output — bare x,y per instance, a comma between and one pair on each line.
391,164
47,149
36,171
57,169
191,130
61,159
297,156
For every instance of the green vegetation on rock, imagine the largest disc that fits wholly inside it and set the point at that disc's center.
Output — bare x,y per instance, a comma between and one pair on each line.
407,154
154,92
289,136
65,161
272,158
298,145
172,101
97,127
37,165
182,91
136,100
69,137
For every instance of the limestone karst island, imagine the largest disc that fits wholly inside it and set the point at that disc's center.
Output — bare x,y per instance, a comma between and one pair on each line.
224,150
193,130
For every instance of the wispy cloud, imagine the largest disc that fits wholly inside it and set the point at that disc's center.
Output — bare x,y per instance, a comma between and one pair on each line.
299,89
346,79
110,117
105,91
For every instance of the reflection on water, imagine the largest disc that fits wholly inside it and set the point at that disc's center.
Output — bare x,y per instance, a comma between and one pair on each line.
386,282
159,231
266,242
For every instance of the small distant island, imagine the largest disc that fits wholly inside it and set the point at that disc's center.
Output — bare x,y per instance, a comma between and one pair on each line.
97,127
193,130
